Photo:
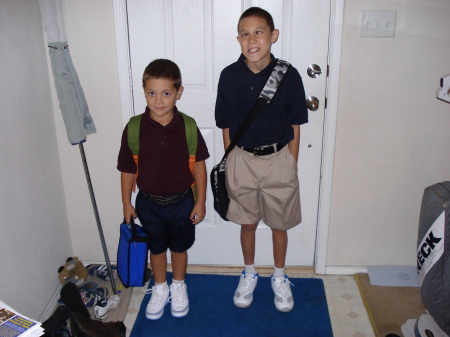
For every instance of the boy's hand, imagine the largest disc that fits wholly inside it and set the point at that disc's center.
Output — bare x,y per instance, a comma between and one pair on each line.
199,210
198,213
129,212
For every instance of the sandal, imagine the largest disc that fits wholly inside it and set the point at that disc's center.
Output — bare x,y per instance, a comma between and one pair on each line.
90,286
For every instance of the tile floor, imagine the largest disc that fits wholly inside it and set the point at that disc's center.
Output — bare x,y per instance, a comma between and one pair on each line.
347,311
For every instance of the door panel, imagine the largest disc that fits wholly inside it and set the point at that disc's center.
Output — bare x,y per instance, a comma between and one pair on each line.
200,36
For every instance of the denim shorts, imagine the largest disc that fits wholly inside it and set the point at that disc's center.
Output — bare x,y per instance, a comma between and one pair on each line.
168,226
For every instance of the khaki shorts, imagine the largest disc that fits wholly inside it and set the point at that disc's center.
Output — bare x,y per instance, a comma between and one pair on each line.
263,188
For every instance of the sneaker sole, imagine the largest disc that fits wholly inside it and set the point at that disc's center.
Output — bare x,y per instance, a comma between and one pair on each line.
285,309
106,314
241,304
155,316
179,314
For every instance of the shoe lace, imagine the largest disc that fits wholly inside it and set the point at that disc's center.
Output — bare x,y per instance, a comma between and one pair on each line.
282,288
157,297
102,302
178,295
246,281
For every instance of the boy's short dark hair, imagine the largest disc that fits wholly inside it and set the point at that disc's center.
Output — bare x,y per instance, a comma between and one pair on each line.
259,12
162,68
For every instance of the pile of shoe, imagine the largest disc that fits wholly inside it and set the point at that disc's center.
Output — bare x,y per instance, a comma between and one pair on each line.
81,323
104,305
91,295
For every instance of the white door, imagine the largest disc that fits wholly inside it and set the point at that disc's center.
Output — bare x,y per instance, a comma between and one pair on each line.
200,36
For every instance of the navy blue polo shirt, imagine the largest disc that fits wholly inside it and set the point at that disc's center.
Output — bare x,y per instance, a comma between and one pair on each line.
163,156
237,92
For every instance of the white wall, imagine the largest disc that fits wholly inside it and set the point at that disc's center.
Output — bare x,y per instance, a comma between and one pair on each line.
90,31
392,134
34,239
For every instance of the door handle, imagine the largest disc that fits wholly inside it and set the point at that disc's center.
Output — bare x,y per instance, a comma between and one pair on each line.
314,71
312,102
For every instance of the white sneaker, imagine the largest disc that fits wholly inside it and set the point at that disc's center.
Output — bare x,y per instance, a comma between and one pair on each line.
159,299
243,296
105,306
179,299
284,301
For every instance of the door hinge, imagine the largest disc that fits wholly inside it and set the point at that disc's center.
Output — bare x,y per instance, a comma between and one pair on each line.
130,78
326,101
328,70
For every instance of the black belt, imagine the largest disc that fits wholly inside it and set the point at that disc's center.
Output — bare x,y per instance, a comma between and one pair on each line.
263,150
157,199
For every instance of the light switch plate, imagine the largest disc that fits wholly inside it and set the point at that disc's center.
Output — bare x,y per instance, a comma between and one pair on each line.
377,23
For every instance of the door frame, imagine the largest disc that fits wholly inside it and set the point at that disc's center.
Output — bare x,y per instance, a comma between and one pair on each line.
329,123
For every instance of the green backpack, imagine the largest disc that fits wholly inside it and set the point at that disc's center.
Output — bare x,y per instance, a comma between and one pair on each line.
134,126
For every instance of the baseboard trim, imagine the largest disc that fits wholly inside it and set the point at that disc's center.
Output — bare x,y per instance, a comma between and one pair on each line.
268,270
344,270
51,305
87,263
263,270
237,270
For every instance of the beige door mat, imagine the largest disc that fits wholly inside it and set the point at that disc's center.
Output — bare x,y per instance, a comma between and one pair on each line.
389,307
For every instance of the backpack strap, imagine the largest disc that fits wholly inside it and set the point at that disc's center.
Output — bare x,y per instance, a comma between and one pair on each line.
134,126
190,126
192,141
191,133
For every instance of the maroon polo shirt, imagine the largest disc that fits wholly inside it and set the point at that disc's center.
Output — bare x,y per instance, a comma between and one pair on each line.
163,156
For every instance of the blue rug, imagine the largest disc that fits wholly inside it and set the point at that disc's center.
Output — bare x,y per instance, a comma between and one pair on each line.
212,312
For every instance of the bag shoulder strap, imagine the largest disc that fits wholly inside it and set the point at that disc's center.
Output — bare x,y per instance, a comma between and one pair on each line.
134,126
265,97
191,133
274,80
191,136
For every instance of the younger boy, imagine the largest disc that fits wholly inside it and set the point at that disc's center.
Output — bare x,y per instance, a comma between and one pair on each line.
261,171
165,203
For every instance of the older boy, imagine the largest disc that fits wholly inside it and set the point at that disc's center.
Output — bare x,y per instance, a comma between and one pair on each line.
261,171
165,203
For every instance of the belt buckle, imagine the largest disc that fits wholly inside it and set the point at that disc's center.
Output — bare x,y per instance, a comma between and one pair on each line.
161,201
264,150
258,151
